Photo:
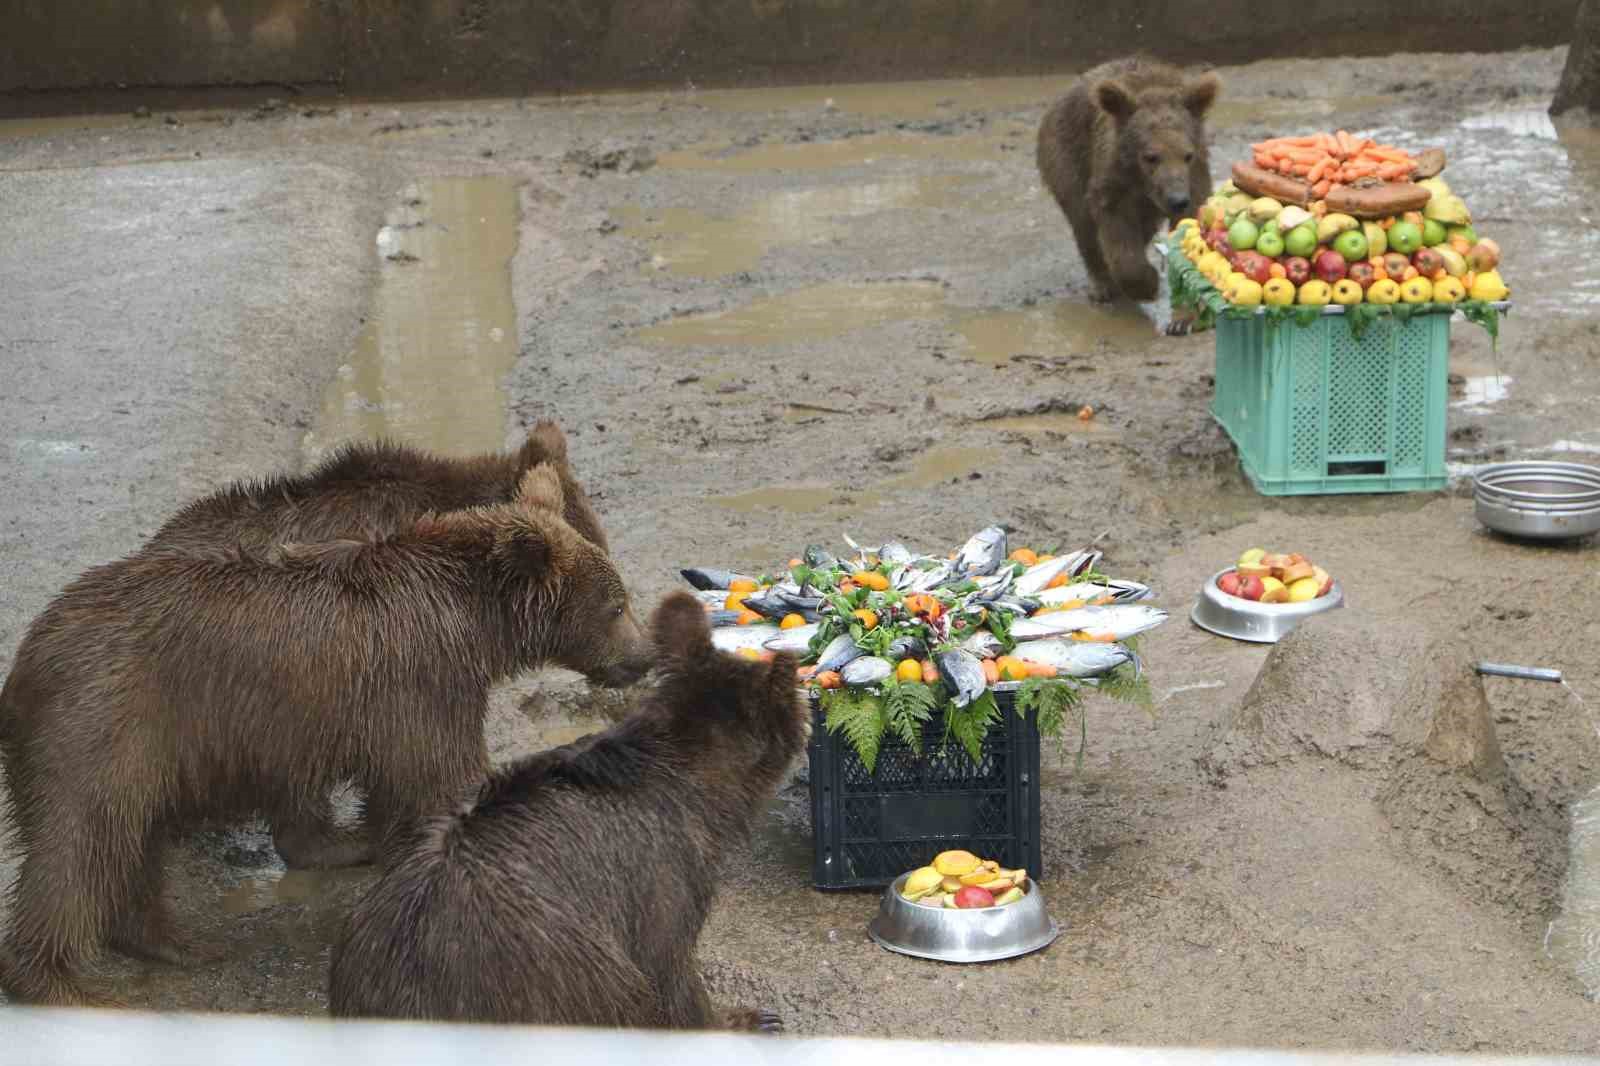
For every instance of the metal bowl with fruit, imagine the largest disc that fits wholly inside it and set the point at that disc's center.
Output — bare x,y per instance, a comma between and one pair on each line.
977,912
1264,596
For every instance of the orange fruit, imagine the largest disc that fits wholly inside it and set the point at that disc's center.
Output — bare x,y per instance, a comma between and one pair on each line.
1058,582
749,653
1046,558
748,618
790,621
908,670
735,601
829,679
1025,556
741,584
1011,668
869,619
847,586
795,561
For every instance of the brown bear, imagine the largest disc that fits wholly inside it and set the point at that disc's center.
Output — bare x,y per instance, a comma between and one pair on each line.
364,489
573,890
372,488
1122,152
174,686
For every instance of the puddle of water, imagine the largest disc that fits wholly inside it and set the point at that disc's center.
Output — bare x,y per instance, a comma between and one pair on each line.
826,310
934,467
1481,390
1052,422
50,126
1310,113
1521,122
829,155
429,367
291,886
1060,329
1581,447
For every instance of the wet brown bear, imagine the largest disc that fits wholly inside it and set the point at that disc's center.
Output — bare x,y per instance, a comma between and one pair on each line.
173,686
364,489
1122,152
372,488
573,891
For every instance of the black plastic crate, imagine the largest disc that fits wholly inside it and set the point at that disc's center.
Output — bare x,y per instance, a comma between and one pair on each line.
869,829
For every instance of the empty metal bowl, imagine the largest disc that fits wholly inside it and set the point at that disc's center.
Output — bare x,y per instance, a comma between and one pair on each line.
1538,500
1262,623
985,934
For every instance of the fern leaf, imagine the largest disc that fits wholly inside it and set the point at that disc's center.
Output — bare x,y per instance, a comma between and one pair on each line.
907,708
859,715
970,724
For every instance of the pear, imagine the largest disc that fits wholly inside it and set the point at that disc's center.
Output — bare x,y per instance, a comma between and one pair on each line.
1489,286
1449,209
1455,264
920,882
1333,224
1377,239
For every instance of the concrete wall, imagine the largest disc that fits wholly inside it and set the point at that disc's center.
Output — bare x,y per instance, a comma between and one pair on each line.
406,47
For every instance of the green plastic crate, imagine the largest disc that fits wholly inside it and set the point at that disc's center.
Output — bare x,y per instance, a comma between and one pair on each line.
1313,409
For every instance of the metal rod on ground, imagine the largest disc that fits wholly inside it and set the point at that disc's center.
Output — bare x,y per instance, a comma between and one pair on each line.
1527,673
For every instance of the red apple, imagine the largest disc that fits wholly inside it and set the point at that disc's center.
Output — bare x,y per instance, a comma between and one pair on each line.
1255,266
1229,582
1329,265
1251,588
1362,273
1394,265
1221,245
971,896
1297,269
1427,261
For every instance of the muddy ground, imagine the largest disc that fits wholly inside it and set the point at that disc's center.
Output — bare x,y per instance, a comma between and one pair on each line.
767,318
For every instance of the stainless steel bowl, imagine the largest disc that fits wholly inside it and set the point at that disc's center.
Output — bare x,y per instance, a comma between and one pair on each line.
1538,500
1262,623
987,934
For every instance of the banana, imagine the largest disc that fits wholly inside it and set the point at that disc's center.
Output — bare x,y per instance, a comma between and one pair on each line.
1333,224
1263,208
1377,239
1449,209
1291,216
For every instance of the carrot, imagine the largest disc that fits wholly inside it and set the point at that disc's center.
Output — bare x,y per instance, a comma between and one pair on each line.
830,679
1359,170
1040,669
1392,155
1265,161
1314,175
1393,172
1300,169
1320,189
991,671
1284,166
1347,144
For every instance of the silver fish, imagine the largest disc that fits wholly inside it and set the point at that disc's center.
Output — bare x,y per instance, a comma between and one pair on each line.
1074,658
928,580
867,670
1033,580
896,554
983,554
1082,561
711,597
992,588
840,650
983,644
768,603
702,577
1121,591
962,674
738,638
906,647
795,639
818,557
1121,620
722,618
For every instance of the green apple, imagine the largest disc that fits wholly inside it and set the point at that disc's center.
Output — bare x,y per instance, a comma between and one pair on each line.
1301,241
1242,234
1466,233
1433,232
1270,243
1351,244
1405,237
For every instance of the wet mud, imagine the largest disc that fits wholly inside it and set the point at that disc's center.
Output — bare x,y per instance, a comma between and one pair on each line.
767,319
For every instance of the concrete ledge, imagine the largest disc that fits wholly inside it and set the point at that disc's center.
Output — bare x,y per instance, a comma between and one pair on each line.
412,47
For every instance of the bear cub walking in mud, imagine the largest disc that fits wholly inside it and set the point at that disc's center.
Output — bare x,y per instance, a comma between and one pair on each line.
574,890
172,686
1123,152
364,489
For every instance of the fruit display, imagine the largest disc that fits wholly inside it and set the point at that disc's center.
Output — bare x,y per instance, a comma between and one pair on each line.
888,636
1274,577
960,880
1333,219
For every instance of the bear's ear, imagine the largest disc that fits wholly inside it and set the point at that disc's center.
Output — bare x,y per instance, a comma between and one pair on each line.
534,549
679,627
540,490
1115,100
1200,93
545,443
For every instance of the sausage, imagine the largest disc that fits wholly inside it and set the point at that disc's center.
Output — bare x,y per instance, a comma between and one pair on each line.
1379,200
1259,182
